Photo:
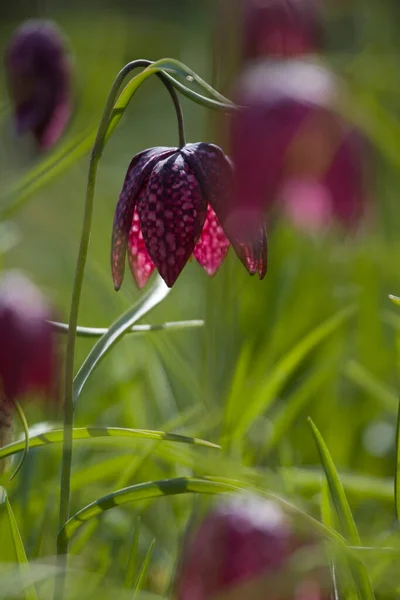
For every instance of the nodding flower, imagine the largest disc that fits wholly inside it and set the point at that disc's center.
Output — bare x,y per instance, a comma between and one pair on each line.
176,202
246,547
292,149
39,73
280,28
28,357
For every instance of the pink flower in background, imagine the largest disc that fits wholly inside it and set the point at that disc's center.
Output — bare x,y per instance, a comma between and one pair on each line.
238,543
280,28
38,70
175,203
291,148
28,359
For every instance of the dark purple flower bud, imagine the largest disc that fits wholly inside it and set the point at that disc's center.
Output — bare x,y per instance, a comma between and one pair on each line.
175,203
28,360
249,542
280,28
293,150
38,71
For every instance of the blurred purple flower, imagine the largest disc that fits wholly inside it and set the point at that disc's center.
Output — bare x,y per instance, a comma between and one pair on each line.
38,70
292,149
280,28
28,360
175,203
238,543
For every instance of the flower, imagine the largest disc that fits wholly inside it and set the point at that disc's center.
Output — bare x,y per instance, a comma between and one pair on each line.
291,148
245,541
280,28
28,360
175,202
38,71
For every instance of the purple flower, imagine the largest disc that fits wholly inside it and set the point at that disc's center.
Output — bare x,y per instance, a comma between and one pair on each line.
280,28
175,203
291,148
242,542
38,71
28,360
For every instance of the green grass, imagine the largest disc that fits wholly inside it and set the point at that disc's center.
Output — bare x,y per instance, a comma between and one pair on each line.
319,338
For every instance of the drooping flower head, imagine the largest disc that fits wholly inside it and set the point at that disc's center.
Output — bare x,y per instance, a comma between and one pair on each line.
240,543
291,148
38,71
28,360
175,203
280,28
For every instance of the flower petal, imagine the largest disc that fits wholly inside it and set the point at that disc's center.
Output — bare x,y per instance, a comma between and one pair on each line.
246,232
213,244
140,262
138,171
172,211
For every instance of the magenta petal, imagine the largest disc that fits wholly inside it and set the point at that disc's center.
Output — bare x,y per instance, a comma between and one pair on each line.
213,244
138,171
172,211
140,262
245,232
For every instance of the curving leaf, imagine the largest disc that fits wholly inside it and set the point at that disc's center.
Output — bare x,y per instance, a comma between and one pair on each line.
99,331
343,512
30,592
119,328
48,168
90,433
143,491
143,570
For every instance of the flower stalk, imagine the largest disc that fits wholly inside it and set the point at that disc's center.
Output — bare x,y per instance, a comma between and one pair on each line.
62,543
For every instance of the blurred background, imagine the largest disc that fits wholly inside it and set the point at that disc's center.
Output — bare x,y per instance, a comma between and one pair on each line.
317,337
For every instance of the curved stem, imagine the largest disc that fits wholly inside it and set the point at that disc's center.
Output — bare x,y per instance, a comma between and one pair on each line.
62,543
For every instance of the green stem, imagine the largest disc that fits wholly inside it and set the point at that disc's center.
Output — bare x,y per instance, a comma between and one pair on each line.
62,543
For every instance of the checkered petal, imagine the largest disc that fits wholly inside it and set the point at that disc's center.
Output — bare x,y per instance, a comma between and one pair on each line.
213,245
138,172
172,211
139,260
246,233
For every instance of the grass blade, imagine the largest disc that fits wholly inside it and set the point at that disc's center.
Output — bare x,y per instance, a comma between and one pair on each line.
397,469
90,433
132,562
26,440
30,592
343,512
145,304
144,568
143,491
96,332
245,413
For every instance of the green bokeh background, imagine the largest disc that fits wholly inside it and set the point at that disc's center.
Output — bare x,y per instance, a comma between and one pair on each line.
255,344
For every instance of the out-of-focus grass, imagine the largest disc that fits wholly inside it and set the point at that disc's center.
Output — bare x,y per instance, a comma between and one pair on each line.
318,337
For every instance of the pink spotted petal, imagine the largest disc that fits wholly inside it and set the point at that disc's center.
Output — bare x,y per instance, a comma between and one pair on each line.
213,244
138,171
172,211
246,233
140,262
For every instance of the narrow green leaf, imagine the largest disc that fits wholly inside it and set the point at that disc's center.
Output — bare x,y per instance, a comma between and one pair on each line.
394,299
41,174
30,592
144,568
343,512
397,469
378,390
26,440
143,491
90,332
265,395
90,433
130,576
117,330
